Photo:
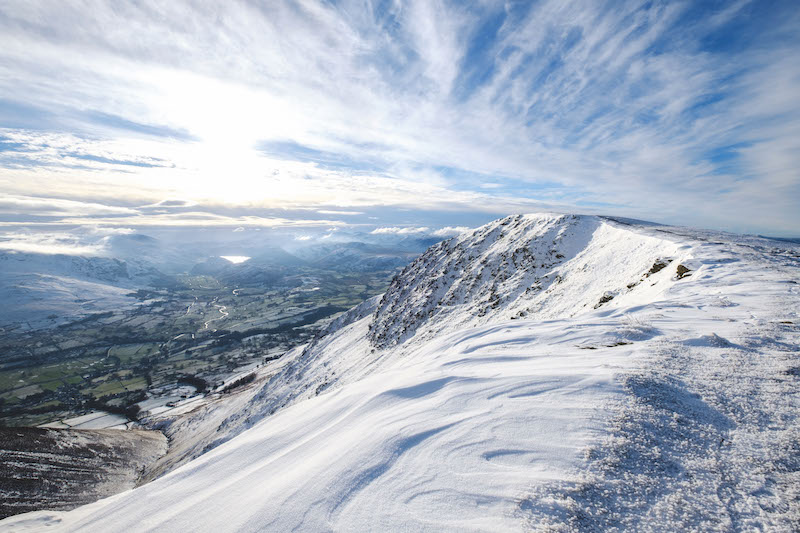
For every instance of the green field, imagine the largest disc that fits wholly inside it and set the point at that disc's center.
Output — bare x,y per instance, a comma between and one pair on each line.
111,358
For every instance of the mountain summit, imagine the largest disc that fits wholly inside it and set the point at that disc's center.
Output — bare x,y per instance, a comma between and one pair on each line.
538,266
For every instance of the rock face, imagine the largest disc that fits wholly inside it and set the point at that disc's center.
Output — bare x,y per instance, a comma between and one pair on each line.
62,469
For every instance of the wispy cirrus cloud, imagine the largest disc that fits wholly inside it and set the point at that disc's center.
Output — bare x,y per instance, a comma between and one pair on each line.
679,112
339,212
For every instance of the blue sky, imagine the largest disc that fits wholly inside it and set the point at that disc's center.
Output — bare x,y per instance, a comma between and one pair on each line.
390,113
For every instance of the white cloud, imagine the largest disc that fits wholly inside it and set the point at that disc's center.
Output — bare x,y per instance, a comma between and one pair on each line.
30,205
172,204
196,218
394,230
570,96
338,212
449,231
330,233
106,231
50,244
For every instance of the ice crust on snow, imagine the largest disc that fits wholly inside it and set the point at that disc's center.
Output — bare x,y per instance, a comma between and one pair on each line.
496,386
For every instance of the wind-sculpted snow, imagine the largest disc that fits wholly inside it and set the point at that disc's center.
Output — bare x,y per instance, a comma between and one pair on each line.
445,444
706,437
603,391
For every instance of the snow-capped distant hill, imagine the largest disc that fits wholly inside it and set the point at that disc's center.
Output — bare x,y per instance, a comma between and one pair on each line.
105,269
166,257
357,256
269,266
543,371
34,286
101,269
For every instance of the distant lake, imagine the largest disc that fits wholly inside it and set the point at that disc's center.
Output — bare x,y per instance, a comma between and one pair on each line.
235,259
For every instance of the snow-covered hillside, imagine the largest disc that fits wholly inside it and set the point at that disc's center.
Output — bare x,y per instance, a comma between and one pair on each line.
34,286
543,267
543,371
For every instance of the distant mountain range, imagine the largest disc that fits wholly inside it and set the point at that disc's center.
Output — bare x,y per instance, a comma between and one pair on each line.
35,287
40,288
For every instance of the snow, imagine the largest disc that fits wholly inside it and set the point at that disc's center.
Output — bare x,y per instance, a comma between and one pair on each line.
36,286
463,401
93,420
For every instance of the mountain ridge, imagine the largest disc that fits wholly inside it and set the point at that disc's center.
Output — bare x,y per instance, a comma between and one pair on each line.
320,366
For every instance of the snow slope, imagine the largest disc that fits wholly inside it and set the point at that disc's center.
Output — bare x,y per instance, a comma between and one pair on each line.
33,285
544,371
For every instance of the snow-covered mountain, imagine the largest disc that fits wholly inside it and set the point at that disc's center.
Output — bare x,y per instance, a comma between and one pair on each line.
34,285
97,272
356,256
269,266
169,257
543,371
544,267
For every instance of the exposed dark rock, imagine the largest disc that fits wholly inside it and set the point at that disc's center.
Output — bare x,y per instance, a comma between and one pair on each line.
658,266
607,297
